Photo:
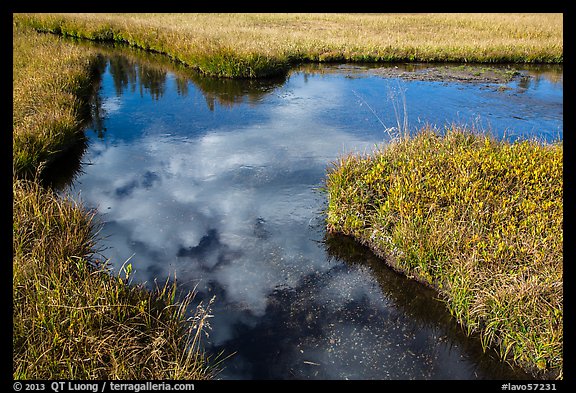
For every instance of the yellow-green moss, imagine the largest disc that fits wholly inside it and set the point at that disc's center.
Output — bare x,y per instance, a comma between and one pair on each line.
478,219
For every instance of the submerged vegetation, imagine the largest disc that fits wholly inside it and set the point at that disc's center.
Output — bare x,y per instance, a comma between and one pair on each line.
256,45
72,318
479,220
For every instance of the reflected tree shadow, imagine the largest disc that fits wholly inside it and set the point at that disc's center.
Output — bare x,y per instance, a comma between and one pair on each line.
137,69
230,92
133,69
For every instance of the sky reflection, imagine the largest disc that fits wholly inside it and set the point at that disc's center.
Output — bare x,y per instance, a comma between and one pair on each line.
222,192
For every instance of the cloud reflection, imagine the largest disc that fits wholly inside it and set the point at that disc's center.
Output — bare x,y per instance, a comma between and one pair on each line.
234,211
200,206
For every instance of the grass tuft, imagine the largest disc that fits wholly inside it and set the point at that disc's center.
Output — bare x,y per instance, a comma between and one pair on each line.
478,219
72,319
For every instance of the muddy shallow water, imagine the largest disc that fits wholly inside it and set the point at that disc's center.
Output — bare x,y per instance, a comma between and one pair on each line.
218,183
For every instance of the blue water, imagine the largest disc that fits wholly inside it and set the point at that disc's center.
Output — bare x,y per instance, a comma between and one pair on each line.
217,183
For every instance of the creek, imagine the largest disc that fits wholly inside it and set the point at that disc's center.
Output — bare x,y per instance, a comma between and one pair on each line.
218,184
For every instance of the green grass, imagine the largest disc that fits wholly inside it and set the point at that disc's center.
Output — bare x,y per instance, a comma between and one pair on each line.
480,220
72,318
256,45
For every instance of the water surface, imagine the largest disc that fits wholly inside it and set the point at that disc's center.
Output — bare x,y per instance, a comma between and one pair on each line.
217,183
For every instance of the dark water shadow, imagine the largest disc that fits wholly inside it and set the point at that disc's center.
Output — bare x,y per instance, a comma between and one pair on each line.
423,306
304,336
64,168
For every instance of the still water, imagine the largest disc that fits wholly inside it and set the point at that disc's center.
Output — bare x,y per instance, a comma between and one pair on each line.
218,183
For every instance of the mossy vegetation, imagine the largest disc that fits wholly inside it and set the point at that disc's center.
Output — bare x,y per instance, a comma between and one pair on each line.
257,45
72,318
479,220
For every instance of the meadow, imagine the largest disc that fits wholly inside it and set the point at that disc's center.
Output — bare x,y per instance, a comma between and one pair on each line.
257,45
477,219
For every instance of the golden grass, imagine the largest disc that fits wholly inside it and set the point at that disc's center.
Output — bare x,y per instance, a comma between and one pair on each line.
252,45
48,105
74,320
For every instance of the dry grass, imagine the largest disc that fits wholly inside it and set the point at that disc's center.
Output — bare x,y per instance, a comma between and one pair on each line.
74,320
48,106
477,219
252,45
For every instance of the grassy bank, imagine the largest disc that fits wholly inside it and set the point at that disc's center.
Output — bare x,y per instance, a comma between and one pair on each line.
72,319
48,106
255,45
480,220
75,320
